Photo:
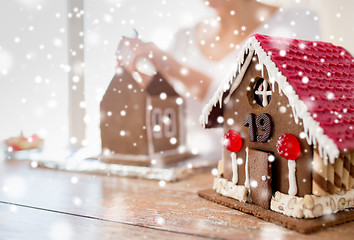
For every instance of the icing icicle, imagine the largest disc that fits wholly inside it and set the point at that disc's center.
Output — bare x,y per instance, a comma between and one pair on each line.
234,168
239,77
292,178
247,180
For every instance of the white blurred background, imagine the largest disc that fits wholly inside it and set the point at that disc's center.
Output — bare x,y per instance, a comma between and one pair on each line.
33,53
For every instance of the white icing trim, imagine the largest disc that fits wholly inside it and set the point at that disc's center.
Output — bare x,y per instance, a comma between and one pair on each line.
145,157
292,178
229,189
178,150
247,179
181,125
128,157
148,126
171,152
157,112
311,206
220,168
239,76
314,133
234,168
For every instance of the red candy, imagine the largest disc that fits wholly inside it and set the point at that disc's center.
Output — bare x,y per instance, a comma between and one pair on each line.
232,141
15,148
288,146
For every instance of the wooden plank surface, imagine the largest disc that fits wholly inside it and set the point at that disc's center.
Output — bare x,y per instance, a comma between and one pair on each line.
172,207
301,225
28,223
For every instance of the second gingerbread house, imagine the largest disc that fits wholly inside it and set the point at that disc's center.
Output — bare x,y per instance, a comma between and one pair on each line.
142,124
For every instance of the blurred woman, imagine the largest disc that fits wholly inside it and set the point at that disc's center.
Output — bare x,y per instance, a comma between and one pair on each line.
201,56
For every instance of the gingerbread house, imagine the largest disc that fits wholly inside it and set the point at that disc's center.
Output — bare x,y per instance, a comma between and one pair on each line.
142,123
287,111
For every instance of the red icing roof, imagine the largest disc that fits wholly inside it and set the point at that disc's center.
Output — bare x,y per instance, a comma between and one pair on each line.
322,75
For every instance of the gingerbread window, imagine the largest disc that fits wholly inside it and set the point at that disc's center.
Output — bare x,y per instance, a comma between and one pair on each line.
262,92
170,123
157,122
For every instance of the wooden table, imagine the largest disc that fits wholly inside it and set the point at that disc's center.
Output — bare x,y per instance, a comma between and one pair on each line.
38,203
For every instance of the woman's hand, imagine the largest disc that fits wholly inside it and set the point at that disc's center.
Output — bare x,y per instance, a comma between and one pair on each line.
131,50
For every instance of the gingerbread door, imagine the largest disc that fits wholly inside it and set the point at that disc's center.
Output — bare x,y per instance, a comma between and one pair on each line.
260,177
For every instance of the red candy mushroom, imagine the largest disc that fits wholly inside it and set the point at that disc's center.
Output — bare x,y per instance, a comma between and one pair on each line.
233,143
289,148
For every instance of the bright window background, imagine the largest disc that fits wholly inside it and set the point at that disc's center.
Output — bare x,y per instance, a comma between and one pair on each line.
33,53
106,21
33,77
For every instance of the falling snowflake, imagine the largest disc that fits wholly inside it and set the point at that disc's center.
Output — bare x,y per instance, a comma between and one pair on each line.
162,183
163,96
254,184
179,101
173,141
330,95
271,158
230,121
74,179
220,119
305,80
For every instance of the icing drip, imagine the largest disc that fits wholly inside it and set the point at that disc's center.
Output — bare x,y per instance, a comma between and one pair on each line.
247,180
234,168
220,100
292,178
148,124
239,77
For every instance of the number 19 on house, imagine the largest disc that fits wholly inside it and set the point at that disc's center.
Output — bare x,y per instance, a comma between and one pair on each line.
263,122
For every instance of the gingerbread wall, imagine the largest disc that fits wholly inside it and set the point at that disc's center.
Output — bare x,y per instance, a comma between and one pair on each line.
240,106
163,97
127,126
165,142
123,117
